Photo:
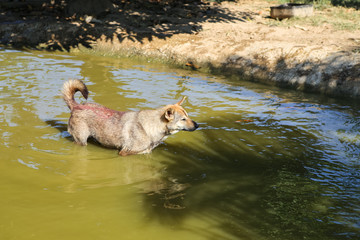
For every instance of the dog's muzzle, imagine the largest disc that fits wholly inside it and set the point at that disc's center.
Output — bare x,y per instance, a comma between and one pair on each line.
193,128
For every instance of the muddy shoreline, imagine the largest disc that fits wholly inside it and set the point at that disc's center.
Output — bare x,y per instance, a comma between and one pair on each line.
236,40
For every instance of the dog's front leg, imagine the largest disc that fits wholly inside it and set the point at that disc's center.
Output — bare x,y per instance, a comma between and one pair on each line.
125,153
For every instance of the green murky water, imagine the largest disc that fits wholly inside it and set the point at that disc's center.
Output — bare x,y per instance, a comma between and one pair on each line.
265,163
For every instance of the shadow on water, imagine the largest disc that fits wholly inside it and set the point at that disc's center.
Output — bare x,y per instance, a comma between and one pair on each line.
252,186
65,23
60,126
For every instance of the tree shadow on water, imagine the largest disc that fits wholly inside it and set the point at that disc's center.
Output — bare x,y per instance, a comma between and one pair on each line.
240,189
63,26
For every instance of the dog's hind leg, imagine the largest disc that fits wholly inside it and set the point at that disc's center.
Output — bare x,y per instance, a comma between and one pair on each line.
80,133
81,138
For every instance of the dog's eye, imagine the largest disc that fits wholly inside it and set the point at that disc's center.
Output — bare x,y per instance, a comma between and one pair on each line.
183,119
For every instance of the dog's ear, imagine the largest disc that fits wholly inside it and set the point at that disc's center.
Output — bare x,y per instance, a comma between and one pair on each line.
169,114
181,101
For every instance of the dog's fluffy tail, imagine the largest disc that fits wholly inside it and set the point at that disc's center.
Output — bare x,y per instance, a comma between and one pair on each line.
69,89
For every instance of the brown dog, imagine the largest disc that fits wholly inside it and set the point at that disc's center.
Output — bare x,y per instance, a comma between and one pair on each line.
130,132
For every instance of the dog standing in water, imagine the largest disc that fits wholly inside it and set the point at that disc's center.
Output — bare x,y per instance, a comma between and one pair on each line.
131,132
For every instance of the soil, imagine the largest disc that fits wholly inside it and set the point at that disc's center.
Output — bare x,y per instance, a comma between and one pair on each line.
232,38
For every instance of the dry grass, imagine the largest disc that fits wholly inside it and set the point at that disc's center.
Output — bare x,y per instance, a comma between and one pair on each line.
326,15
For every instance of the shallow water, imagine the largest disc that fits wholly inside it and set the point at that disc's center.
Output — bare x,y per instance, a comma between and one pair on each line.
264,164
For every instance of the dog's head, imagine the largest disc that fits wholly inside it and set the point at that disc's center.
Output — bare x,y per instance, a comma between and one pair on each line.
178,119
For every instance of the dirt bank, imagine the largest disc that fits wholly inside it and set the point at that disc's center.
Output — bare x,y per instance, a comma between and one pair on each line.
234,38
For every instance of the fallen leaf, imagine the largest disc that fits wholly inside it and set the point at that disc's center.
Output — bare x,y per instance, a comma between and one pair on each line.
192,65
245,120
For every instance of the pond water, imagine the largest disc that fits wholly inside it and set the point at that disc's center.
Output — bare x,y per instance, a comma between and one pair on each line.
265,163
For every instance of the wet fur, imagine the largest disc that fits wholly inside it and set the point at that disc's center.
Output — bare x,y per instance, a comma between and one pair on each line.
131,132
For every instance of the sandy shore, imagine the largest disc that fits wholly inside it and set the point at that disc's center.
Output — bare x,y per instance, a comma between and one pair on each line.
229,39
